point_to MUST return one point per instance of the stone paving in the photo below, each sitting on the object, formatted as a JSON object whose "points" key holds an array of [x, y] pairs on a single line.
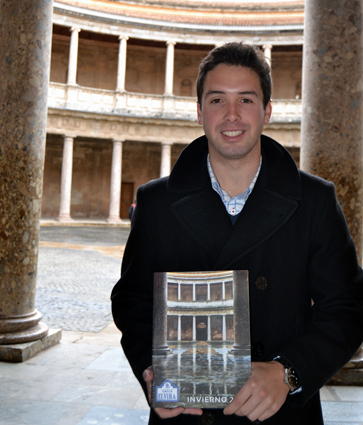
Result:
{"points": [[86, 379], [77, 269]]}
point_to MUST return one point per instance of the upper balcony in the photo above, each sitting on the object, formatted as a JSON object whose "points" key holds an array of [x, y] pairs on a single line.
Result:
{"points": [[138, 105]]}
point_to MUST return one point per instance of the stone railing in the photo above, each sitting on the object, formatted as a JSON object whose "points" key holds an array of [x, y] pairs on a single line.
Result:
{"points": [[85, 99]]}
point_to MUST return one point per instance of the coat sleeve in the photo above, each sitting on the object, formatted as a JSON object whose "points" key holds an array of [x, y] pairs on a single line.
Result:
{"points": [[132, 296], [335, 331]]}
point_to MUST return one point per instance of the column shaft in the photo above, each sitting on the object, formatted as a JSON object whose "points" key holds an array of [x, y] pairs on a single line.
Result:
{"points": [[121, 68], [165, 165], [73, 57], [115, 192], [332, 125], [267, 51], [26, 29], [241, 313], [160, 345], [332, 100], [66, 180], [169, 73]]}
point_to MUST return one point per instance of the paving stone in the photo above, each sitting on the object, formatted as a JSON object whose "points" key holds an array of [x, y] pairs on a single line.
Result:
{"points": [[107, 416], [339, 413], [73, 288]]}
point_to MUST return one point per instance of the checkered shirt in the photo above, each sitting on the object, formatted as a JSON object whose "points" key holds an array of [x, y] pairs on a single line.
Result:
{"points": [[233, 205]]}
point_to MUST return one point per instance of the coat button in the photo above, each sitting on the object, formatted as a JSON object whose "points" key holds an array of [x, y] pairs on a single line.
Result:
{"points": [[207, 418], [261, 283], [258, 349]]}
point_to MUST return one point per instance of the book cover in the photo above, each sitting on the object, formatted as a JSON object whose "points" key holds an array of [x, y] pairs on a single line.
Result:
{"points": [[201, 338]]}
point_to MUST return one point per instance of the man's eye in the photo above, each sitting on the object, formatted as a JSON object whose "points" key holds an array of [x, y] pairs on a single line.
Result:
{"points": [[246, 101], [216, 101]]}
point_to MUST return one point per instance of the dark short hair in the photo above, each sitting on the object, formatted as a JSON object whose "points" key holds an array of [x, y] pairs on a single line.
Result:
{"points": [[237, 54]]}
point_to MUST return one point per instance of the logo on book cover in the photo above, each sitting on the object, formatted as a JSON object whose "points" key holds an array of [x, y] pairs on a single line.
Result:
{"points": [[167, 391]]}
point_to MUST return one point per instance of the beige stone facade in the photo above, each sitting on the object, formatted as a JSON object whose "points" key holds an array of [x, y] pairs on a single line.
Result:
{"points": [[126, 72]]}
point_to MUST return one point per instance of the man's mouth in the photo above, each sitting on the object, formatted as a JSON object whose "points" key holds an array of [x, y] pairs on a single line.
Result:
{"points": [[234, 133]]}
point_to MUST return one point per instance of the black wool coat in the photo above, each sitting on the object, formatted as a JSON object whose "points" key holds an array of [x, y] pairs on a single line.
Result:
{"points": [[291, 231]]}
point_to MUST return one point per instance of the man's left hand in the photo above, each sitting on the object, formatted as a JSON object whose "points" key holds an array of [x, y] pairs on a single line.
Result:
{"points": [[263, 394]]}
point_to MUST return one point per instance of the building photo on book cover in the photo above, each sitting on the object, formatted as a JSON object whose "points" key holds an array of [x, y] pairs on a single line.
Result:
{"points": [[201, 338]]}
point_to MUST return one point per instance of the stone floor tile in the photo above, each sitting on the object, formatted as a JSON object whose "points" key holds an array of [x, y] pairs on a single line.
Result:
{"points": [[141, 403], [340, 423], [348, 393], [99, 396], [327, 394], [108, 415], [339, 413], [112, 359], [68, 355], [32, 390], [124, 380], [17, 411]]}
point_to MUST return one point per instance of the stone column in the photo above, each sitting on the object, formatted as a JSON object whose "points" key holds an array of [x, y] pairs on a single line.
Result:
{"points": [[160, 345], [241, 313], [224, 328], [267, 51], [115, 192], [26, 29], [332, 124], [121, 68], [165, 159], [194, 329], [73, 57], [179, 328], [209, 329], [169, 72], [66, 180]]}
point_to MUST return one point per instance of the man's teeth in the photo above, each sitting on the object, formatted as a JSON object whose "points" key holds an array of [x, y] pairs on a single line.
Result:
{"points": [[232, 133]]}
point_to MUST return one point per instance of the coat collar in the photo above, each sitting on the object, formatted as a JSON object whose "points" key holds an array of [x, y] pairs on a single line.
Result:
{"points": [[278, 173], [271, 204]]}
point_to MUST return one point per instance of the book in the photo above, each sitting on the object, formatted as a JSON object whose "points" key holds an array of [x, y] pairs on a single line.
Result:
{"points": [[201, 338]]}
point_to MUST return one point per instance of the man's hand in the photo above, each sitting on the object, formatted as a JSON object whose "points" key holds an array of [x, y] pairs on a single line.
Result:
{"points": [[263, 394], [164, 413]]}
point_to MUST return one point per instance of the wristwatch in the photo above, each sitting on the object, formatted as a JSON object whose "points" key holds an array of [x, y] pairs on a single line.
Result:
{"points": [[290, 378]]}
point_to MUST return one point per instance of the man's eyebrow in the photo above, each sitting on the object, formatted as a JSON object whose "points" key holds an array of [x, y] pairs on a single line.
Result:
{"points": [[246, 92]]}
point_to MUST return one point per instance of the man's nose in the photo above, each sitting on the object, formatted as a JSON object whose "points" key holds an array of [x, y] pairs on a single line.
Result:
{"points": [[232, 112]]}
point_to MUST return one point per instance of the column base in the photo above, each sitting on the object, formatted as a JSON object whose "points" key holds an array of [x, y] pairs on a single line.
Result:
{"points": [[17, 353], [162, 350], [65, 219], [240, 350], [114, 220], [37, 332]]}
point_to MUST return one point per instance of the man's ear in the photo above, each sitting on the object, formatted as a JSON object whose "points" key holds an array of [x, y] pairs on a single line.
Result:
{"points": [[268, 112], [199, 111]]}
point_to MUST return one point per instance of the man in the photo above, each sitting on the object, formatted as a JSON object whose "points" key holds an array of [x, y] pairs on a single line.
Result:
{"points": [[236, 200]]}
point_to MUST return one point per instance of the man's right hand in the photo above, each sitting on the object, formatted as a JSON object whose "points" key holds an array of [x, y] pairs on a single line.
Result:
{"points": [[165, 413]]}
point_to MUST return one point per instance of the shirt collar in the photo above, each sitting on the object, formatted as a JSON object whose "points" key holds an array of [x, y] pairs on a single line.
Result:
{"points": [[233, 205]]}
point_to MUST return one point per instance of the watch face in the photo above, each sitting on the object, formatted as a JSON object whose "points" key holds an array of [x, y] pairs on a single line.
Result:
{"points": [[293, 382]]}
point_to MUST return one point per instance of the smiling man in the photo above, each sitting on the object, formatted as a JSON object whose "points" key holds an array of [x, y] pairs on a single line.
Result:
{"points": [[236, 200]]}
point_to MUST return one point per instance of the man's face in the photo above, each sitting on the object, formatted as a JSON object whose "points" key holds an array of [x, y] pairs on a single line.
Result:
{"points": [[232, 112]]}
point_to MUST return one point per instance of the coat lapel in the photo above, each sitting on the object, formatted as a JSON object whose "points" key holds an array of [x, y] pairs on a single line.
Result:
{"points": [[271, 204], [264, 214], [205, 219]]}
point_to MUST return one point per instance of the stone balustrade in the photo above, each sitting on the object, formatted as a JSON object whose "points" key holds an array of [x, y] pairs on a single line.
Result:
{"points": [[62, 96]]}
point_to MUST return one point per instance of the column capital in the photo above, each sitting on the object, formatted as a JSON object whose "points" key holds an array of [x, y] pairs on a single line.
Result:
{"points": [[75, 29], [68, 136], [123, 37], [170, 43], [117, 140], [167, 143], [267, 46]]}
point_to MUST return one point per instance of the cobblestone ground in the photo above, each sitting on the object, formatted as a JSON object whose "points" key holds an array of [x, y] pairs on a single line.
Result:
{"points": [[74, 285]]}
